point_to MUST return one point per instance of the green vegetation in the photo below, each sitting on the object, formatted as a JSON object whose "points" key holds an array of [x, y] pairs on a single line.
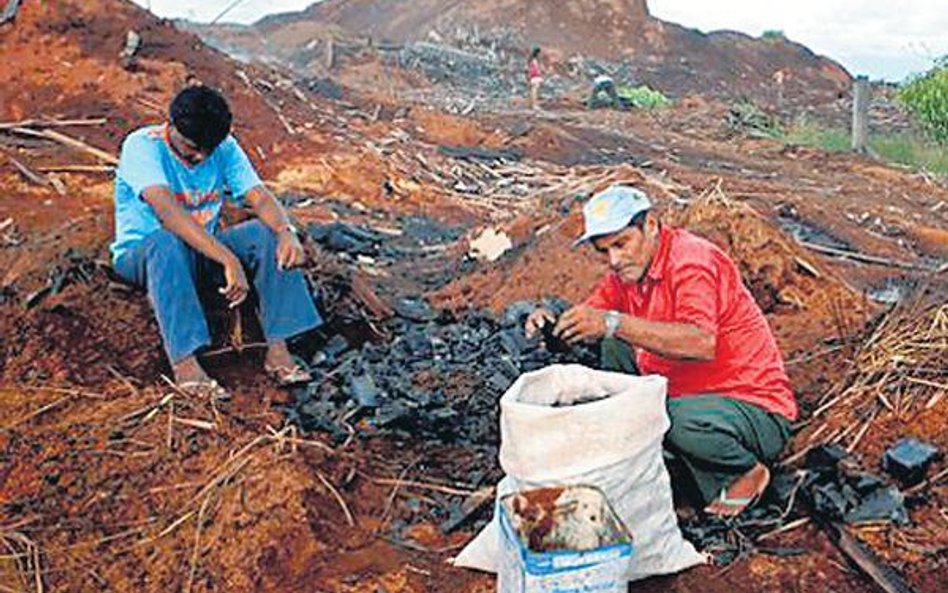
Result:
{"points": [[906, 148], [926, 98], [773, 35], [806, 132], [909, 149], [642, 97]]}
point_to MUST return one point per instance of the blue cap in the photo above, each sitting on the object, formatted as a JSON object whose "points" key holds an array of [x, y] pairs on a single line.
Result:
{"points": [[611, 210]]}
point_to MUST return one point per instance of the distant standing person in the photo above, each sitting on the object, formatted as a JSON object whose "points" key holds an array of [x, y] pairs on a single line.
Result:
{"points": [[534, 78]]}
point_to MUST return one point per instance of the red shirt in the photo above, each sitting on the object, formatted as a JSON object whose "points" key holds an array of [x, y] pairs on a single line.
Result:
{"points": [[533, 70], [691, 281]]}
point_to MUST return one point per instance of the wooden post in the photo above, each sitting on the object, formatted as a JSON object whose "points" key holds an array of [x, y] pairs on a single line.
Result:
{"points": [[330, 54], [861, 115]]}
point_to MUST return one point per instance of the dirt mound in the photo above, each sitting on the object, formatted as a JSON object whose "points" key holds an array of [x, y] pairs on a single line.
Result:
{"points": [[62, 61], [630, 43], [561, 25], [156, 492], [80, 328]]}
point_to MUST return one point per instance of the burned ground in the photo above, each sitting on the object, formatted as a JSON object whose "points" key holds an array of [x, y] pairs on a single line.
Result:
{"points": [[110, 479]]}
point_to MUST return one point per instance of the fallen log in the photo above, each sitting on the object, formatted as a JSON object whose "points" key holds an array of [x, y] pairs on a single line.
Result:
{"points": [[52, 123], [862, 257], [76, 169], [38, 178], [68, 141], [883, 575]]}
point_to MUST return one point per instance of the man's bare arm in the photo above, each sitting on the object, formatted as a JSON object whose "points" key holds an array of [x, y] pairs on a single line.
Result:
{"points": [[670, 340], [267, 208], [289, 252], [177, 220]]}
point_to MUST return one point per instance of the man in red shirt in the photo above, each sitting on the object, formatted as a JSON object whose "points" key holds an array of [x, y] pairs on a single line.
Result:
{"points": [[679, 302]]}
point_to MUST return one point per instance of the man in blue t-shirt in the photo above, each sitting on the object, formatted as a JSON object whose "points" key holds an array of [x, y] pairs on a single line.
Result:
{"points": [[171, 182]]}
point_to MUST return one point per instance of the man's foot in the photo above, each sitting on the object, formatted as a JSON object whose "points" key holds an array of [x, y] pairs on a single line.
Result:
{"points": [[190, 377], [741, 494], [281, 367]]}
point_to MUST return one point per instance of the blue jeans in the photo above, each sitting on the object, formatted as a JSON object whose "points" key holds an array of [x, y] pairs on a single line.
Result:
{"points": [[173, 273]]}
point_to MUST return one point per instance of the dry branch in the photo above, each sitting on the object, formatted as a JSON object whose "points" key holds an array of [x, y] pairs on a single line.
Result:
{"points": [[68, 141]]}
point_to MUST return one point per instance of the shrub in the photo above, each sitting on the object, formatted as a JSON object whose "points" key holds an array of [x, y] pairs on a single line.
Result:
{"points": [[926, 98], [773, 35], [642, 97]]}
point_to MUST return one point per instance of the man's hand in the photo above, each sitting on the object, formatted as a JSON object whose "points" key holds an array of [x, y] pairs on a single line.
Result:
{"points": [[289, 251], [536, 321], [237, 288], [581, 324]]}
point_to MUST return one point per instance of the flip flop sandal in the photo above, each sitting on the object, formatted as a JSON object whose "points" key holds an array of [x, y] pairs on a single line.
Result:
{"points": [[288, 376], [742, 503], [205, 389]]}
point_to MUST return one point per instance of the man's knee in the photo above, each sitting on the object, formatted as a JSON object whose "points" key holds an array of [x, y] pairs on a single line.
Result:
{"points": [[256, 235], [687, 434]]}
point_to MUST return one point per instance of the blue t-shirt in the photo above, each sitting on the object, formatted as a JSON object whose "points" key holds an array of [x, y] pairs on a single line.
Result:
{"points": [[147, 160]]}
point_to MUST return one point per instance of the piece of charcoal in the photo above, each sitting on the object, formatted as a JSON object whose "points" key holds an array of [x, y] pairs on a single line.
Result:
{"points": [[374, 353], [865, 483], [330, 351], [346, 238], [516, 314], [499, 382], [414, 309], [884, 504], [317, 409], [908, 460], [391, 413], [418, 345], [509, 368], [513, 342], [440, 348], [825, 457], [554, 343], [832, 500], [336, 346], [465, 353], [363, 390], [557, 305]]}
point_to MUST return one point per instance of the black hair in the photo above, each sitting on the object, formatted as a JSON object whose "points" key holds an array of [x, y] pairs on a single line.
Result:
{"points": [[536, 52], [202, 116]]}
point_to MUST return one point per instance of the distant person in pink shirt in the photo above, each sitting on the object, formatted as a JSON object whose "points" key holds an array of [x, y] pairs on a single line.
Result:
{"points": [[534, 78]]}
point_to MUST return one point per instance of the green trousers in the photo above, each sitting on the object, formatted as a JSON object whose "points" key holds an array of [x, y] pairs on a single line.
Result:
{"points": [[713, 439]]}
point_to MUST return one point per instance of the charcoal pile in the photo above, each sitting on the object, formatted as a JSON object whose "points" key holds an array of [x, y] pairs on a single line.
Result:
{"points": [[415, 235], [831, 488], [445, 63], [439, 378]]}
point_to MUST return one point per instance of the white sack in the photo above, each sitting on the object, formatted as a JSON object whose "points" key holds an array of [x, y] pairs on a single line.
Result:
{"points": [[614, 443]]}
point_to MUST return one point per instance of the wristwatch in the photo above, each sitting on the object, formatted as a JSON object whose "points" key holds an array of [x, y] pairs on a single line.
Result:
{"points": [[290, 227], [612, 322]]}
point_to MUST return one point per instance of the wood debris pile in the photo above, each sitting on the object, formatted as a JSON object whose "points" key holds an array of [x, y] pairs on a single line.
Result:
{"points": [[898, 373]]}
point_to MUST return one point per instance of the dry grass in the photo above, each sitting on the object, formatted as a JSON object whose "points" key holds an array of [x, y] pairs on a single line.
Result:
{"points": [[899, 372]]}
